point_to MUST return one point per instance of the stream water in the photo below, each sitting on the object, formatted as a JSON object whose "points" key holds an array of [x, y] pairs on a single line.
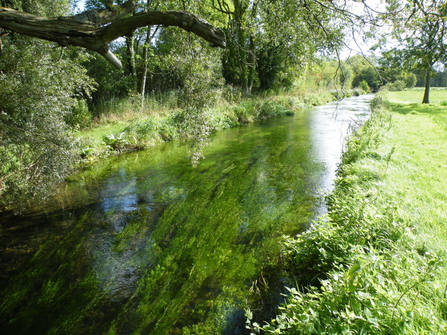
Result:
{"points": [[147, 244]]}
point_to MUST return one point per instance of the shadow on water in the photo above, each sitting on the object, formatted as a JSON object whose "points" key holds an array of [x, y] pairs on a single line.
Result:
{"points": [[147, 244]]}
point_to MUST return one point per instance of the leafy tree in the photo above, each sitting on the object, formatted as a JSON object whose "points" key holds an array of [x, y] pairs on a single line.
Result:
{"points": [[41, 90], [95, 29], [364, 70], [420, 28], [409, 79], [270, 42], [110, 84], [330, 74], [440, 78], [369, 75], [394, 76]]}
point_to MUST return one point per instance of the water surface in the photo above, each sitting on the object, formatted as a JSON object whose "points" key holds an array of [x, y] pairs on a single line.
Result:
{"points": [[147, 244]]}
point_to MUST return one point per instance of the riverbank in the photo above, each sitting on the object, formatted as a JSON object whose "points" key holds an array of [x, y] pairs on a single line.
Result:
{"points": [[123, 126], [377, 264]]}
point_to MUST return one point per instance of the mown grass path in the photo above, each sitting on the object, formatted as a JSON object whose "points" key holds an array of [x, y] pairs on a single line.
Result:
{"points": [[378, 263]]}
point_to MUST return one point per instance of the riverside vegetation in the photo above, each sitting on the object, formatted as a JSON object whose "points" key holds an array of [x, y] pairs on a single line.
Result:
{"points": [[145, 243], [377, 264], [124, 127]]}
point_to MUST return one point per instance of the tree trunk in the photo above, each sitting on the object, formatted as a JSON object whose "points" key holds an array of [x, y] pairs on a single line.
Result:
{"points": [[251, 59], [145, 60], [146, 45], [426, 99], [130, 43], [94, 30]]}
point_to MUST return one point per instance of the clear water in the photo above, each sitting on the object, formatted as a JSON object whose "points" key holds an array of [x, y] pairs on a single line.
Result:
{"points": [[147, 244]]}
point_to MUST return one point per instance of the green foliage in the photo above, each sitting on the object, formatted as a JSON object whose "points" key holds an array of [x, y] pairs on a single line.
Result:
{"points": [[364, 86], [419, 28], [376, 294], [201, 90], [268, 51], [410, 80], [393, 74], [50, 8], [439, 79], [117, 143], [369, 75], [260, 109], [40, 91], [264, 51], [111, 83], [367, 136], [371, 267], [270, 63], [79, 115], [328, 74], [145, 133], [398, 85]]}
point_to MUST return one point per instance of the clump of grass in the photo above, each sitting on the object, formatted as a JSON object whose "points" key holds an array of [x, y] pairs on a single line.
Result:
{"points": [[376, 265], [129, 129], [370, 134], [126, 124]]}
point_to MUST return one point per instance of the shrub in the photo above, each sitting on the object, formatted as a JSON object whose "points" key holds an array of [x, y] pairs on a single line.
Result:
{"points": [[269, 109], [37, 150], [364, 86], [398, 85], [79, 116]]}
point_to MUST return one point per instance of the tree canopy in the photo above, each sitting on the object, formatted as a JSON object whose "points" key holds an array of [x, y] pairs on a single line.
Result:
{"points": [[419, 27], [95, 29]]}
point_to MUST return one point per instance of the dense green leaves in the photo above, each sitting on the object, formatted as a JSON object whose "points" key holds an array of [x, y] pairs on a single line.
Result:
{"points": [[420, 30], [40, 88], [270, 45]]}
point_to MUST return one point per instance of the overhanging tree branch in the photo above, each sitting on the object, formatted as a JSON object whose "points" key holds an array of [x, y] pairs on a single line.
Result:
{"points": [[87, 30]]}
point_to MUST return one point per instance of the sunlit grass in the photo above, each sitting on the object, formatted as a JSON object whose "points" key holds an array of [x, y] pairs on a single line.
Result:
{"points": [[437, 95], [418, 172], [381, 257]]}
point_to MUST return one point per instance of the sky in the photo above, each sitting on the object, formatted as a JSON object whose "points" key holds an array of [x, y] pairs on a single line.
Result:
{"points": [[358, 46]]}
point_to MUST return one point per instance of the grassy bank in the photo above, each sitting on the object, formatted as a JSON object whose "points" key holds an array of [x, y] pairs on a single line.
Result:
{"points": [[377, 264], [125, 126]]}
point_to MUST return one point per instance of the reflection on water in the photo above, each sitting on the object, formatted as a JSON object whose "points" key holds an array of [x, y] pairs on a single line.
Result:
{"points": [[330, 124], [147, 244]]}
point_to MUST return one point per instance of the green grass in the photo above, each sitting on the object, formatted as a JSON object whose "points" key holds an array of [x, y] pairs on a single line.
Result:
{"points": [[377, 265], [130, 128], [420, 137], [437, 95]]}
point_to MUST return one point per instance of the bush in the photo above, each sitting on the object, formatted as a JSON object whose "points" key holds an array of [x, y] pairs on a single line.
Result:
{"points": [[38, 98], [269, 109], [398, 85], [364, 86], [79, 116]]}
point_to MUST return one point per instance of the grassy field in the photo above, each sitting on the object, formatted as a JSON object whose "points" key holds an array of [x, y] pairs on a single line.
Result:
{"points": [[437, 95], [377, 265]]}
